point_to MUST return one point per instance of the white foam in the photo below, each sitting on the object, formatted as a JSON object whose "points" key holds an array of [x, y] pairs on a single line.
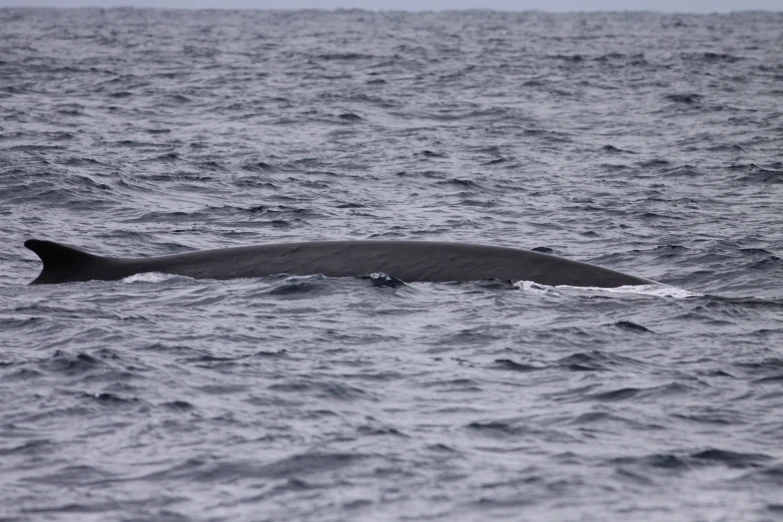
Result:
{"points": [[655, 290], [535, 288], [149, 277]]}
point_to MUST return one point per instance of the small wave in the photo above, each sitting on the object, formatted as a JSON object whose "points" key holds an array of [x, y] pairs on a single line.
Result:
{"points": [[621, 394], [686, 98], [432, 154], [508, 364], [459, 183], [730, 458], [178, 405], [294, 289], [260, 166], [611, 149], [348, 56], [111, 398], [69, 364], [628, 325], [349, 116], [585, 362]]}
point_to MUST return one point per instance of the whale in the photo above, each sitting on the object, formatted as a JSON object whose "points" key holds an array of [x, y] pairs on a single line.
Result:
{"points": [[408, 261]]}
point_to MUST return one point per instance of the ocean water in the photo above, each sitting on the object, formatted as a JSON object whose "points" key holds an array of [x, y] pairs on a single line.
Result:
{"points": [[641, 142]]}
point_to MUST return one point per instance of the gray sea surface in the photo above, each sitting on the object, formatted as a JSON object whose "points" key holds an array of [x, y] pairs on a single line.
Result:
{"points": [[641, 142]]}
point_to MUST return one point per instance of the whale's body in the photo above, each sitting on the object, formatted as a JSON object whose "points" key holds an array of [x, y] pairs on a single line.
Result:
{"points": [[410, 261]]}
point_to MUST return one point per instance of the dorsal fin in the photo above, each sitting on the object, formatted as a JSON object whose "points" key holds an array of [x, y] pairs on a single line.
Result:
{"points": [[61, 264]]}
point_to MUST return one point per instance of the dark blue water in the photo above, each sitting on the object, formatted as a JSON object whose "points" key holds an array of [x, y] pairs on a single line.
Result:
{"points": [[645, 143]]}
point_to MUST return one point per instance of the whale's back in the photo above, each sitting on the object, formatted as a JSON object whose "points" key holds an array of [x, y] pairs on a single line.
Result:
{"points": [[410, 261]]}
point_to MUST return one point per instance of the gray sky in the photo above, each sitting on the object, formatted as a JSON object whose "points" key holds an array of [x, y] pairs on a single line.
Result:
{"points": [[692, 6]]}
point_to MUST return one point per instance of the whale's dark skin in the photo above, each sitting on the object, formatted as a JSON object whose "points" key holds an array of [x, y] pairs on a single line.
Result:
{"points": [[410, 261]]}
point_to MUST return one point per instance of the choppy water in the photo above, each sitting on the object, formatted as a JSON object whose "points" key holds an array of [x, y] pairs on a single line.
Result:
{"points": [[645, 143]]}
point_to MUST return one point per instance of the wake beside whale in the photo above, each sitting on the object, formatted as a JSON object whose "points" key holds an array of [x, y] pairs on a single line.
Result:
{"points": [[409, 261]]}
